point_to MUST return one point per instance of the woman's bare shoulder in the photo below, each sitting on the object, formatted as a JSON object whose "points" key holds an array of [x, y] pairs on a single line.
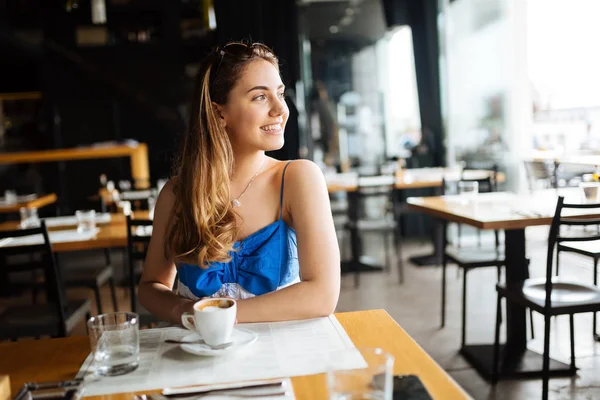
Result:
{"points": [[301, 172]]}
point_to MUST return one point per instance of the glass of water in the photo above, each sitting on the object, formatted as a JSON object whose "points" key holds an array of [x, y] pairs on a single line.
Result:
{"points": [[86, 220], [10, 196], [29, 217], [467, 190], [115, 342], [360, 374]]}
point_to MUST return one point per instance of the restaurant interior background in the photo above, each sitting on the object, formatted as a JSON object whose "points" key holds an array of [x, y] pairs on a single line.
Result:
{"points": [[372, 86], [511, 81]]}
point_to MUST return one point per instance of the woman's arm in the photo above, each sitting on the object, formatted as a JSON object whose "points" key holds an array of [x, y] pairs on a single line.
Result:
{"points": [[307, 202], [159, 272]]}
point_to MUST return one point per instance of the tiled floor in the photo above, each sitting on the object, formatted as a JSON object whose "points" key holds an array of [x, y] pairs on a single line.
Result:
{"points": [[416, 307]]}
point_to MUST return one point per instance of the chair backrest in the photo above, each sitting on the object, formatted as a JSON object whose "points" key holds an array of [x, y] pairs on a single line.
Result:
{"points": [[540, 171], [46, 263], [138, 238], [371, 190], [555, 236], [486, 184]]}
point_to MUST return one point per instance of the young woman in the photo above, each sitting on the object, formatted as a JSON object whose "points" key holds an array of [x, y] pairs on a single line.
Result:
{"points": [[233, 222]]}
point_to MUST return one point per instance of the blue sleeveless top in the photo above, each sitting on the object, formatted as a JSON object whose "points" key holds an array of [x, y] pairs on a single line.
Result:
{"points": [[263, 262]]}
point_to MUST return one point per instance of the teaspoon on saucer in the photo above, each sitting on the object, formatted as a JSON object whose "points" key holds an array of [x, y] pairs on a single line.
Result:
{"points": [[200, 341]]}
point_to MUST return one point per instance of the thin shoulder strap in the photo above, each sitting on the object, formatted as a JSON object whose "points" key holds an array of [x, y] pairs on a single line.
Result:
{"points": [[281, 193]]}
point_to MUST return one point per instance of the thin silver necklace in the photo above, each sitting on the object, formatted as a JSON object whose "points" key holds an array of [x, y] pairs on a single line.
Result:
{"points": [[236, 201]]}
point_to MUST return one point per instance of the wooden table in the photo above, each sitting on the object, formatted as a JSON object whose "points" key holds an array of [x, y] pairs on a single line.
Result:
{"points": [[415, 178], [138, 154], [583, 159], [38, 202], [59, 359], [512, 213], [111, 235]]}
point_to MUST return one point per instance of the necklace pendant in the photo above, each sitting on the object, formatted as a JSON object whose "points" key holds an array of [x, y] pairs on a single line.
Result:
{"points": [[236, 203]]}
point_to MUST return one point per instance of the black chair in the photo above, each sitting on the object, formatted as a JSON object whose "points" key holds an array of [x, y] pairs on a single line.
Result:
{"points": [[377, 189], [570, 297], [585, 248], [58, 316], [469, 258], [93, 278], [138, 238]]}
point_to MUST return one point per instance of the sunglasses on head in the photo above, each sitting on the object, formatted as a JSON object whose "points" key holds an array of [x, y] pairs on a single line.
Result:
{"points": [[238, 50]]}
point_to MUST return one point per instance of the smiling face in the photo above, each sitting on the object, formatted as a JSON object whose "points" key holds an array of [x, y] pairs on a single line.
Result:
{"points": [[256, 113]]}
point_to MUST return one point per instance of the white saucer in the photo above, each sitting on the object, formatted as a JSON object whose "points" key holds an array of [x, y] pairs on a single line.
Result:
{"points": [[241, 338]]}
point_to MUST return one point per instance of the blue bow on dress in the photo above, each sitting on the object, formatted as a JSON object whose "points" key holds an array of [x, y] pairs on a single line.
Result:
{"points": [[259, 264]]}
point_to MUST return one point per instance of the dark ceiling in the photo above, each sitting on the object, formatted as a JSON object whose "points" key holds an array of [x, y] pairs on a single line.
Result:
{"points": [[359, 21]]}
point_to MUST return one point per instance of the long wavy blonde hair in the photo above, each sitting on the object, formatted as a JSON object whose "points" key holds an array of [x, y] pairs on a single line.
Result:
{"points": [[203, 225]]}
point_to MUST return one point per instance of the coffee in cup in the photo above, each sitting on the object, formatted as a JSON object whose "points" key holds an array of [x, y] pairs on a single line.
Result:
{"points": [[213, 319]]}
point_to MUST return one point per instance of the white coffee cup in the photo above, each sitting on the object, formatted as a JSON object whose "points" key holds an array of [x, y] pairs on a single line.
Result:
{"points": [[213, 319]]}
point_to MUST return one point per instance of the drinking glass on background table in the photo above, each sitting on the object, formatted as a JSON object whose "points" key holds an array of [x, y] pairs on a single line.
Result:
{"points": [[10, 196], [29, 217], [124, 185], [371, 380], [115, 342], [124, 207], [86, 220], [468, 190], [590, 191]]}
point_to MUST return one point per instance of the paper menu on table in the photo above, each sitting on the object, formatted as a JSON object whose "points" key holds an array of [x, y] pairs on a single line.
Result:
{"points": [[283, 349], [64, 236]]}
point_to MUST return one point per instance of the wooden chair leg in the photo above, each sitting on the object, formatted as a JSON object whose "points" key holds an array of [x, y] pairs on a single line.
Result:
{"points": [[557, 252], [496, 340]]}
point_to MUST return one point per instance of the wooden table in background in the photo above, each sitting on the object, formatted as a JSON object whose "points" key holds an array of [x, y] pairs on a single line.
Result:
{"points": [[512, 213], [60, 359], [110, 235], [414, 178], [38, 202], [138, 154], [411, 178]]}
